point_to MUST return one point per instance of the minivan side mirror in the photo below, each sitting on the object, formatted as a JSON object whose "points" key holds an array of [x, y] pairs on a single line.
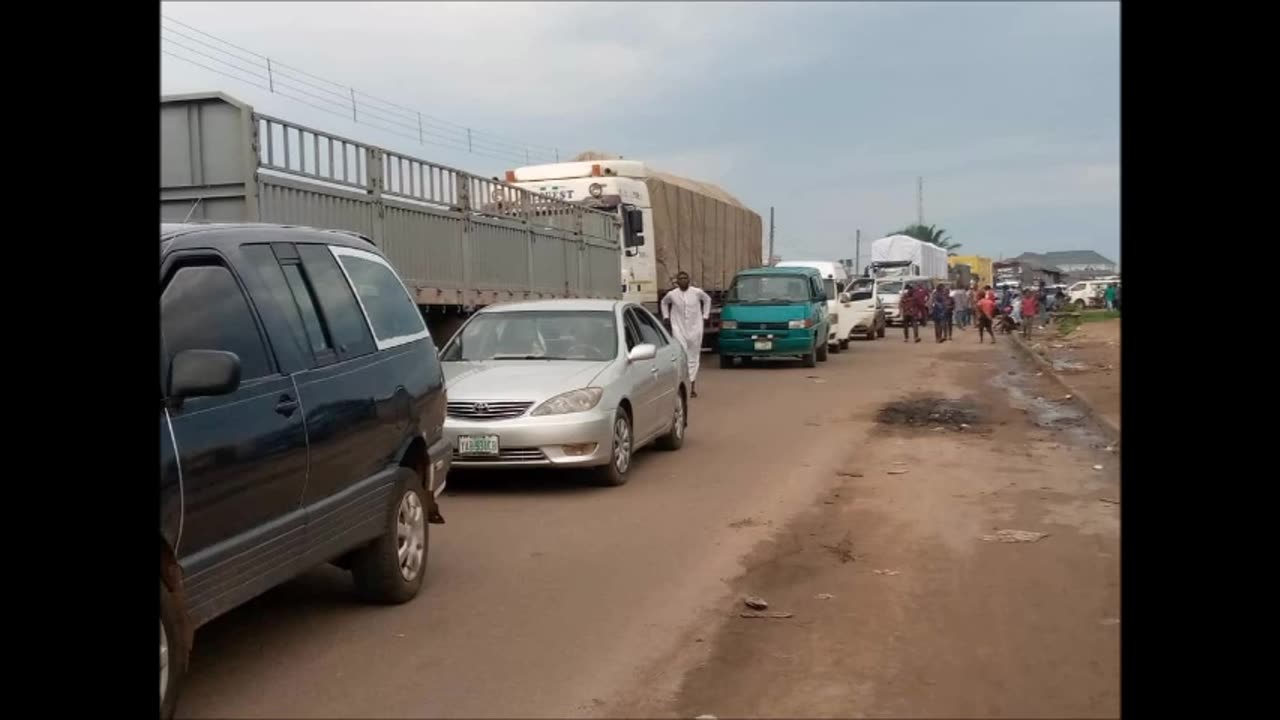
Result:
{"points": [[643, 351], [202, 373]]}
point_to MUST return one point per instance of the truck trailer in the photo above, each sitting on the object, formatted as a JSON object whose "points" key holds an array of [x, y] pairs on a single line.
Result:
{"points": [[668, 224], [901, 255], [460, 241]]}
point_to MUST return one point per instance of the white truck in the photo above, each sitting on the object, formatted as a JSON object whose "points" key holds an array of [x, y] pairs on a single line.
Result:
{"points": [[903, 256], [669, 224], [834, 281]]}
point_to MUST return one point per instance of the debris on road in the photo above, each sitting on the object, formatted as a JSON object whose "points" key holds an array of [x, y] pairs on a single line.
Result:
{"points": [[1109, 501], [756, 603], [1097, 467], [846, 473], [843, 549], [745, 523], [1109, 621], [705, 717], [824, 596], [931, 410], [890, 573], [898, 471], [1067, 396], [767, 615], [1015, 536]]}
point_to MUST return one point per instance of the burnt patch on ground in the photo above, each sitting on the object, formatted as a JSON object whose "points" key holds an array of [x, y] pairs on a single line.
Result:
{"points": [[931, 411]]}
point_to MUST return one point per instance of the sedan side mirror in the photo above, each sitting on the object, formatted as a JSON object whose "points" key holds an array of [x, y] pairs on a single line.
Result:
{"points": [[201, 373], [643, 351]]}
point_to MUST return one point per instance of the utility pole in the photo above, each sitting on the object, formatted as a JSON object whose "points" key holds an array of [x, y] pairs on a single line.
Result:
{"points": [[769, 260], [857, 250], [920, 200]]}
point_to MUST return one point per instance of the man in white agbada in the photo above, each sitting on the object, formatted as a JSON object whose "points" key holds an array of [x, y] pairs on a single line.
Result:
{"points": [[685, 307]]}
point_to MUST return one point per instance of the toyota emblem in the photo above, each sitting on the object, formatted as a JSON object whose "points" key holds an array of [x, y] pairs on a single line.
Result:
{"points": [[480, 408]]}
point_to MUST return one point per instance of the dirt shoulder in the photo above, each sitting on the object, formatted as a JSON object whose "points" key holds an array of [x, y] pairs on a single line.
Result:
{"points": [[899, 608], [1088, 358]]}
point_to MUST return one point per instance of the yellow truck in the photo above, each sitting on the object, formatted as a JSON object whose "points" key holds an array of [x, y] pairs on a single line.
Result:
{"points": [[980, 267]]}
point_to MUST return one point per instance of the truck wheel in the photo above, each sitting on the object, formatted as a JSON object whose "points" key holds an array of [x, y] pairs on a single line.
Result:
{"points": [[726, 362], [674, 439], [822, 352], [615, 473], [390, 569], [173, 654]]}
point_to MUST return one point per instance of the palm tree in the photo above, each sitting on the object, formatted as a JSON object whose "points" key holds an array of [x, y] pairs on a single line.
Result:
{"points": [[930, 234]]}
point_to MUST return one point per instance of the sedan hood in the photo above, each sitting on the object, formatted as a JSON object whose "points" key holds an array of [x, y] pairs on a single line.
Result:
{"points": [[533, 380]]}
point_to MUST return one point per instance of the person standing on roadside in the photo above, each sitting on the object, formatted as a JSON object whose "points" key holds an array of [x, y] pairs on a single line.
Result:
{"points": [[939, 308], [910, 315], [986, 316], [1109, 297], [685, 308], [1030, 308]]}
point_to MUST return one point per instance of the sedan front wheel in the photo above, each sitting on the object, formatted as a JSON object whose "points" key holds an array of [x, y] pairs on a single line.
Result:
{"points": [[615, 473]]}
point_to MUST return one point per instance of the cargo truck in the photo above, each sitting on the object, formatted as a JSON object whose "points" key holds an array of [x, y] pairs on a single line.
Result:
{"points": [[668, 224], [903, 256], [459, 241]]}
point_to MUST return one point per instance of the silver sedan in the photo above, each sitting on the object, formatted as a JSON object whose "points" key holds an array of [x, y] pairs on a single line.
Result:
{"points": [[564, 383]]}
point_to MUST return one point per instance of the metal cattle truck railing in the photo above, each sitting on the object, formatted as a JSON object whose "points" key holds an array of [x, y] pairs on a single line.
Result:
{"points": [[459, 240]]}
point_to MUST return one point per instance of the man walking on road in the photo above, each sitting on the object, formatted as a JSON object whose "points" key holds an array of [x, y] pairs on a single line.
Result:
{"points": [[1030, 308], [909, 303], [938, 305], [986, 316], [685, 308]]}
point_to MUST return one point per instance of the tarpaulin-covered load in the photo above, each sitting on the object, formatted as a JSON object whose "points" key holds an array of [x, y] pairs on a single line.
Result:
{"points": [[703, 230], [931, 259]]}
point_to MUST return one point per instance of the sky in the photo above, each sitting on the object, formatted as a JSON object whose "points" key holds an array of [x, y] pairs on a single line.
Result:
{"points": [[828, 112]]}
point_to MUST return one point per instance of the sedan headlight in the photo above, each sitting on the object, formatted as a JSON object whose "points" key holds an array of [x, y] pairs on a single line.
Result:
{"points": [[800, 324], [573, 401], [729, 324]]}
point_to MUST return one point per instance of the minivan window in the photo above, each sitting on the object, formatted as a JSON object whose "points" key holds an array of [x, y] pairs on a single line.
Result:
{"points": [[203, 308], [393, 315], [343, 316], [764, 289]]}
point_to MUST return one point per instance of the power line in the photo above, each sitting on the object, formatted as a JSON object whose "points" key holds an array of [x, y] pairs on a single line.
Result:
{"points": [[493, 140]]}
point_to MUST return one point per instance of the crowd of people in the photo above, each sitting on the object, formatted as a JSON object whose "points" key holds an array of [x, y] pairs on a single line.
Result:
{"points": [[964, 307]]}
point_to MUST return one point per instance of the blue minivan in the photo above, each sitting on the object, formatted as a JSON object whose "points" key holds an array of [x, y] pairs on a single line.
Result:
{"points": [[775, 312]]}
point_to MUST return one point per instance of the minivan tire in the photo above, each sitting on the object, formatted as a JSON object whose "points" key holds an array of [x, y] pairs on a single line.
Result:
{"points": [[674, 439], [174, 653], [808, 360], [822, 352], [609, 475], [377, 567]]}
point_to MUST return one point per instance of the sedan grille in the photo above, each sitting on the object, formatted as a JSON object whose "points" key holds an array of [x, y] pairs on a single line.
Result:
{"points": [[504, 455], [488, 410]]}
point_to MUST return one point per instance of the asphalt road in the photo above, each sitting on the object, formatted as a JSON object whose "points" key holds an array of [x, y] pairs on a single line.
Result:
{"points": [[549, 598]]}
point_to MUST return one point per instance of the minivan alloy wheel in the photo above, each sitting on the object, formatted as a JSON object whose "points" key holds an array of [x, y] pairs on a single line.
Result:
{"points": [[410, 535]]}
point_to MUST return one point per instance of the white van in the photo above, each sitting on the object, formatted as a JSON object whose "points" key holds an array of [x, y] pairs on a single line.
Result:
{"points": [[834, 280], [861, 302], [1088, 293], [888, 291]]}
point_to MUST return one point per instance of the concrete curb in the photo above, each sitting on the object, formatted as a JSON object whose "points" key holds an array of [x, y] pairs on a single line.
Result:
{"points": [[1110, 429]]}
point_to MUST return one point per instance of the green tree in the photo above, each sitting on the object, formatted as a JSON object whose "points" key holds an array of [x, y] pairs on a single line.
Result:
{"points": [[930, 234]]}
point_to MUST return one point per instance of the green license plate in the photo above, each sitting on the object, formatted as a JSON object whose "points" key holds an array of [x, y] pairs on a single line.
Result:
{"points": [[477, 444]]}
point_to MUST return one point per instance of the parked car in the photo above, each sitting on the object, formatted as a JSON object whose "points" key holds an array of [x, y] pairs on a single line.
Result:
{"points": [[775, 312], [564, 383], [1089, 293], [301, 422], [862, 305]]}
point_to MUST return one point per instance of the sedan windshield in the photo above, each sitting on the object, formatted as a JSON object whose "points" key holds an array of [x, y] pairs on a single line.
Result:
{"points": [[536, 335], [769, 289]]}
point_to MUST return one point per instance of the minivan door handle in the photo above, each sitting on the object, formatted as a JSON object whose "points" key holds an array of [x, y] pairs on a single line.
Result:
{"points": [[286, 406]]}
